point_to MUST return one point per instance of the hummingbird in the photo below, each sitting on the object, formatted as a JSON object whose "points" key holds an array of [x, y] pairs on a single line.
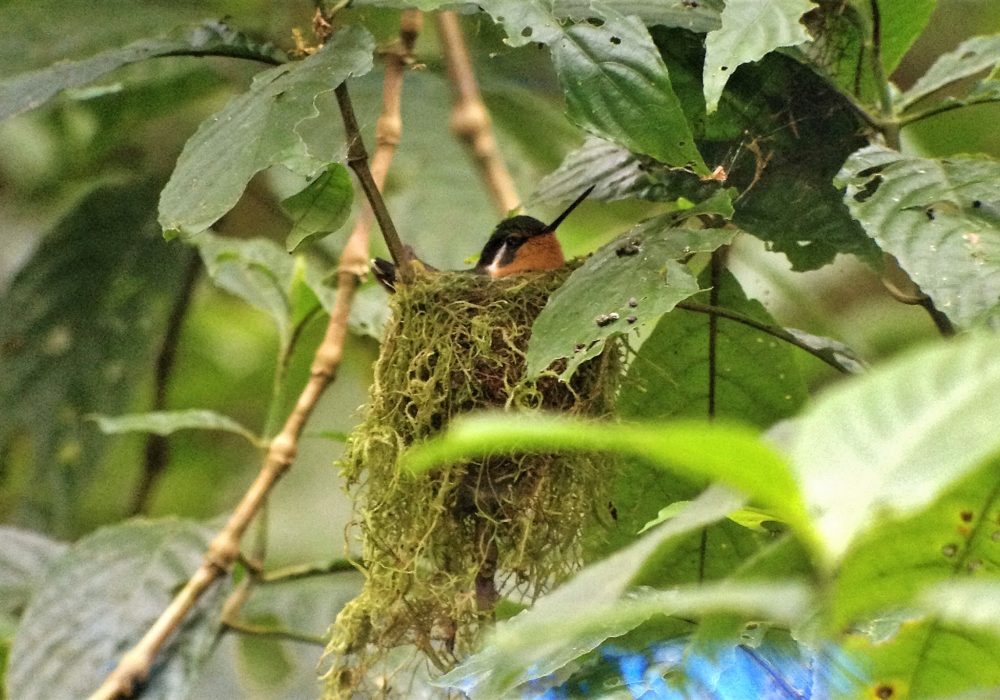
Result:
{"points": [[518, 244]]}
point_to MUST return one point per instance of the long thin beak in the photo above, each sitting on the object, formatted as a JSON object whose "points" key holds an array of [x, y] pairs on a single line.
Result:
{"points": [[559, 219]]}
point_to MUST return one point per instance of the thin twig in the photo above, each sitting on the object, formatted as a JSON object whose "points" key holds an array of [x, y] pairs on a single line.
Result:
{"points": [[470, 120], [224, 549], [157, 452], [297, 572], [777, 332], [274, 633]]}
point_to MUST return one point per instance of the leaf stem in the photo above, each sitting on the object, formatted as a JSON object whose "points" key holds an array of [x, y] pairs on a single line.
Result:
{"points": [[273, 633], [889, 126], [775, 331], [357, 159], [296, 572]]}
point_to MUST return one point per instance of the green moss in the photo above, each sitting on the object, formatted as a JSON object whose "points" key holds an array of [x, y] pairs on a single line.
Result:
{"points": [[438, 547]]}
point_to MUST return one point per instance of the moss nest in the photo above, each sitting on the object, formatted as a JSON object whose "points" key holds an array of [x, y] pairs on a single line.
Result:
{"points": [[440, 548]]}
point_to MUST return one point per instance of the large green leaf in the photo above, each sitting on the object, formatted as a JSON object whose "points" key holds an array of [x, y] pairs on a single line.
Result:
{"points": [[940, 218], [98, 600], [972, 57], [24, 556], [29, 90], [755, 378], [617, 87], [91, 305], [952, 541], [887, 444], [750, 30], [627, 284], [285, 118]]}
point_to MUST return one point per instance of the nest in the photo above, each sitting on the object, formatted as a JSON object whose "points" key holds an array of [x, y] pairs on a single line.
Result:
{"points": [[439, 548]]}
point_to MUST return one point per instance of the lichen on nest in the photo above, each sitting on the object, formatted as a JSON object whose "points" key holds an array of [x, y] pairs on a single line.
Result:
{"points": [[438, 548]]}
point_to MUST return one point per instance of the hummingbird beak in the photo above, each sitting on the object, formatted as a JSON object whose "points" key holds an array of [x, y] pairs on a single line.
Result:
{"points": [[559, 219]]}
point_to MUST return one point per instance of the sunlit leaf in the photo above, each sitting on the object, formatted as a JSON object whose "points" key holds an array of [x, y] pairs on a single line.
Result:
{"points": [[168, 422], [750, 30], [971, 603], [617, 87], [730, 455], [940, 218], [628, 284], [892, 565], [321, 208], [278, 117], [29, 90], [888, 443], [98, 600], [971, 57]]}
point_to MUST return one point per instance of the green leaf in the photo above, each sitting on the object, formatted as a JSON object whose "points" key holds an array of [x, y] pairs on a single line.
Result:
{"points": [[750, 30], [321, 208], [887, 444], [972, 57], [280, 116], [91, 304], [731, 455], [535, 21], [256, 270], [636, 276], [892, 565], [756, 379], [940, 218], [99, 599], [617, 87], [928, 659], [168, 422], [538, 641], [24, 557], [30, 90]]}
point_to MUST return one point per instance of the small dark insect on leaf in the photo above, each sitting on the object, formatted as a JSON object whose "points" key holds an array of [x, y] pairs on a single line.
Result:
{"points": [[613, 511], [606, 319], [633, 302], [977, 203], [930, 213], [632, 319], [691, 4]]}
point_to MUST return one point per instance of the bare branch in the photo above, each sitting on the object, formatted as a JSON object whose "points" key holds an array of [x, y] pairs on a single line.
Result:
{"points": [[224, 550], [470, 119]]}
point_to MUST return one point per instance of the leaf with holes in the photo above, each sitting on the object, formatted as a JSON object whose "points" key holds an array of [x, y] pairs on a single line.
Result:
{"points": [[940, 218], [972, 57], [750, 30], [617, 87], [275, 122], [627, 284]]}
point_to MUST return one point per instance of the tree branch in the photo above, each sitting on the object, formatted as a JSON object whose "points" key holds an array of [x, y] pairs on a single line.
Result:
{"points": [[224, 549], [470, 120]]}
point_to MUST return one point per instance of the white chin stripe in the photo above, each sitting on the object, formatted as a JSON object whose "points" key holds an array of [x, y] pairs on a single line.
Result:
{"points": [[494, 266]]}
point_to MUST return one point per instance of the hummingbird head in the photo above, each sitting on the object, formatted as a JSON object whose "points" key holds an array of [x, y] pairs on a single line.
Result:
{"points": [[523, 244]]}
